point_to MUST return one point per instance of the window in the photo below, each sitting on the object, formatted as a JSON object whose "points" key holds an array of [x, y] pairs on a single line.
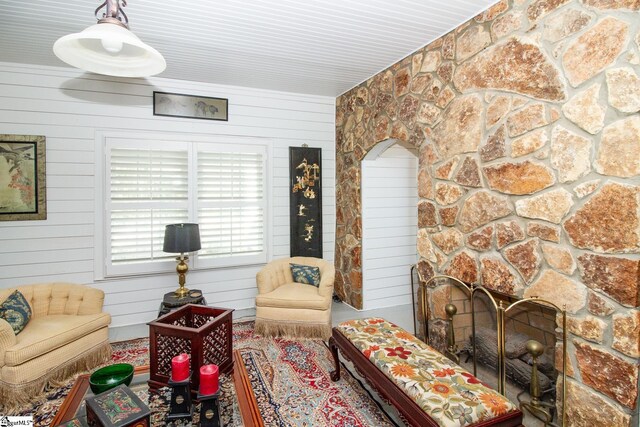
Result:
{"points": [[149, 184], [229, 186]]}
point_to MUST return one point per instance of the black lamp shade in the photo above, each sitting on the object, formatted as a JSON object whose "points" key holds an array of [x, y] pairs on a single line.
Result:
{"points": [[181, 238]]}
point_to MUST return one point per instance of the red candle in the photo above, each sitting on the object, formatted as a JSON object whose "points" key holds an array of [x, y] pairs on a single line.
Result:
{"points": [[208, 379], [180, 367]]}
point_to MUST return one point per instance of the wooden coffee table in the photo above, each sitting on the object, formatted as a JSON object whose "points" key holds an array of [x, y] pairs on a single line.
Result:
{"points": [[247, 403]]}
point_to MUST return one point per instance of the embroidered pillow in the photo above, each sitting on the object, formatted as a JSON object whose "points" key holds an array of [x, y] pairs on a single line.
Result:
{"points": [[16, 311], [306, 274]]}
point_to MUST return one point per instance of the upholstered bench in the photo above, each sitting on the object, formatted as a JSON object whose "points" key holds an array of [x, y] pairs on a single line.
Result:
{"points": [[427, 388]]}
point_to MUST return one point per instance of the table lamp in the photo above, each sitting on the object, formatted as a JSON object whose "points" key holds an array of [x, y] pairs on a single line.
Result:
{"points": [[181, 238]]}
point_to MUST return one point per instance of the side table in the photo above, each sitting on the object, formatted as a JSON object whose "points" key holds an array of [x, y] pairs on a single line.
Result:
{"points": [[205, 333], [170, 301]]}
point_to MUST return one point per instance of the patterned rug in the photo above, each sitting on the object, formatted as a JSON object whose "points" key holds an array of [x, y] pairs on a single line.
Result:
{"points": [[290, 380], [292, 386]]}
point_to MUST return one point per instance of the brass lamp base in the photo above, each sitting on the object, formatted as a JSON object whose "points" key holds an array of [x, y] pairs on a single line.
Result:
{"points": [[181, 292], [182, 269]]}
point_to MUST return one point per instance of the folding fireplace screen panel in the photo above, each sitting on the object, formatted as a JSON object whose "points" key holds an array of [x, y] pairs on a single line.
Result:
{"points": [[511, 337], [305, 201]]}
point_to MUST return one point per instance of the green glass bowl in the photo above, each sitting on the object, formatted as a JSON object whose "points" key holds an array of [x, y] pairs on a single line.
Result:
{"points": [[110, 376]]}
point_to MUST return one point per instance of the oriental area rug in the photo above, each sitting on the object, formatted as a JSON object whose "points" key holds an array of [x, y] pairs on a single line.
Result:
{"points": [[290, 379]]}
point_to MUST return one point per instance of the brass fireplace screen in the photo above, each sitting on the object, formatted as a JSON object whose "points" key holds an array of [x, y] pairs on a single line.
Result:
{"points": [[539, 409]]}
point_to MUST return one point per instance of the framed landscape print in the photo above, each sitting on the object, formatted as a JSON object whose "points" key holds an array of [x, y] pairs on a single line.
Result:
{"points": [[193, 107], [22, 178], [305, 201]]}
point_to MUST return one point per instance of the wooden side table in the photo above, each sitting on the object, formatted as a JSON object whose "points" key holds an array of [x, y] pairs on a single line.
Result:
{"points": [[170, 301], [205, 333]]}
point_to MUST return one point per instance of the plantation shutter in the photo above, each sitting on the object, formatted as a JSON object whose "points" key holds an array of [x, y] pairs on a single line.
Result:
{"points": [[150, 183], [232, 203], [147, 189]]}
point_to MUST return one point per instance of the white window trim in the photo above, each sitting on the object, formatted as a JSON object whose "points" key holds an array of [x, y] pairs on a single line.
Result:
{"points": [[100, 203]]}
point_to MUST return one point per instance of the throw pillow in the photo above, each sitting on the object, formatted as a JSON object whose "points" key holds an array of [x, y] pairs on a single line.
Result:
{"points": [[306, 274], [16, 311]]}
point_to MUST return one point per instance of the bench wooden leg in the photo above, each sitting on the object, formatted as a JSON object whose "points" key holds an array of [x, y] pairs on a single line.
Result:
{"points": [[335, 375]]}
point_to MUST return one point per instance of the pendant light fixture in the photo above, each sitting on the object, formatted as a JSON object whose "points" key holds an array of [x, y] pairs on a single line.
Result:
{"points": [[109, 48]]}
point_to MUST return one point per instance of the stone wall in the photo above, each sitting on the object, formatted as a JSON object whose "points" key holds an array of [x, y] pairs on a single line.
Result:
{"points": [[526, 119]]}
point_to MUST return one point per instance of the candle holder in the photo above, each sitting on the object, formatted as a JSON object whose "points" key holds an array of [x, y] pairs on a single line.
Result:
{"points": [[210, 410], [180, 404]]}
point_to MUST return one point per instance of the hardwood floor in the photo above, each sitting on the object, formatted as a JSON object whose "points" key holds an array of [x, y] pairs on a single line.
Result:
{"points": [[401, 315]]}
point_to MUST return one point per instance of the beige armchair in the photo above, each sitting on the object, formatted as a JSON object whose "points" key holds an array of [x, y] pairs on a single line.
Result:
{"points": [[67, 333], [287, 308]]}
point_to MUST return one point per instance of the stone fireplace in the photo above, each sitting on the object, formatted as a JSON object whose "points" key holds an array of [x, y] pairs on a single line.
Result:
{"points": [[527, 127], [523, 322]]}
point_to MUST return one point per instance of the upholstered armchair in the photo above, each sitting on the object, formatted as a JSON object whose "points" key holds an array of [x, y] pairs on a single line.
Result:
{"points": [[67, 333], [287, 308]]}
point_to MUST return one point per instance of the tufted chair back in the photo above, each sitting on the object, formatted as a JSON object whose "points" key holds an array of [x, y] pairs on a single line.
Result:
{"points": [[278, 272], [59, 298]]}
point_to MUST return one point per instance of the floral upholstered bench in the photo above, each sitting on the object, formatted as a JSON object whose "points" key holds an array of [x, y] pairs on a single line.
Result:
{"points": [[427, 388]]}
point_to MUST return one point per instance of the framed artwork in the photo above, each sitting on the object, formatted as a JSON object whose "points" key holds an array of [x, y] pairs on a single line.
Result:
{"points": [[22, 178], [193, 107], [305, 201]]}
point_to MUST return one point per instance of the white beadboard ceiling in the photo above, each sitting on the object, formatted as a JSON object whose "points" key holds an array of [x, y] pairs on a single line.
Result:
{"points": [[314, 47]]}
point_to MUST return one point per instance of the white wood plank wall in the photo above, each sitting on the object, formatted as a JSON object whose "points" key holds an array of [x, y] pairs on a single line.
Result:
{"points": [[68, 107], [389, 227]]}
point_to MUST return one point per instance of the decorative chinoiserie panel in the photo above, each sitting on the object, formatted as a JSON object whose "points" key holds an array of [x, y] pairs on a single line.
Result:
{"points": [[22, 178], [305, 201]]}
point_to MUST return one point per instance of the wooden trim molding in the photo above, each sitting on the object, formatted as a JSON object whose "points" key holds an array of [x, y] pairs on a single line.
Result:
{"points": [[246, 399]]}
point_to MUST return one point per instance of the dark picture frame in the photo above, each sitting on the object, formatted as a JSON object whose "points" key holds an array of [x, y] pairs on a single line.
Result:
{"points": [[190, 106], [23, 193], [305, 201]]}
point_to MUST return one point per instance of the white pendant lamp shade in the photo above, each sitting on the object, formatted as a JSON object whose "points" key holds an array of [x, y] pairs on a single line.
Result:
{"points": [[109, 49]]}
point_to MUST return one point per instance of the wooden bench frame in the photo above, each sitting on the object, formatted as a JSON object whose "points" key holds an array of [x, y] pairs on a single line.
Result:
{"points": [[410, 412]]}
